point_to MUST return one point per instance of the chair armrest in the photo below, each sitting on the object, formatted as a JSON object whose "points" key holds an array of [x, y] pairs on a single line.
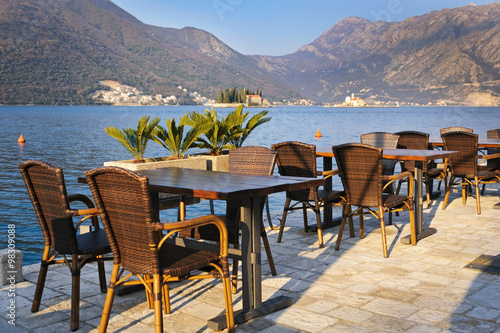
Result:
{"points": [[328, 173], [392, 178], [174, 227], [90, 212], [488, 157]]}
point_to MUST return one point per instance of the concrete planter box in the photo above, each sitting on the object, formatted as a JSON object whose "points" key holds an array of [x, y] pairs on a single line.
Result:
{"points": [[195, 161], [198, 161]]}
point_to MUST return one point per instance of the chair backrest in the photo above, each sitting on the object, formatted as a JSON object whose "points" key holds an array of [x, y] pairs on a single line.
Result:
{"points": [[412, 140], [465, 163], [47, 191], [493, 133], [253, 160], [455, 129], [124, 203], [380, 139], [360, 169], [494, 162], [297, 159]]}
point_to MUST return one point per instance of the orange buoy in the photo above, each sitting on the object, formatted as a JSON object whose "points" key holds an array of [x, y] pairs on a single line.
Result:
{"points": [[21, 139], [318, 134]]}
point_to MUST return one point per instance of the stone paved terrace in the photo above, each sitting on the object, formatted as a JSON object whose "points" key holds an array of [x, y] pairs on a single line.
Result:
{"points": [[423, 288]]}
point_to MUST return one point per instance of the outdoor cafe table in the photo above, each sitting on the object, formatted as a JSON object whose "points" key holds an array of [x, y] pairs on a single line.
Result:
{"points": [[481, 143], [248, 188], [420, 157]]}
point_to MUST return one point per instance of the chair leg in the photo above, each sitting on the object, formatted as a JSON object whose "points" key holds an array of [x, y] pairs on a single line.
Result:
{"points": [[166, 298], [108, 304], [341, 231], [382, 231], [413, 234], [464, 192], [399, 187], [447, 192], [75, 293], [228, 302], [102, 276], [361, 224], [351, 223], [478, 202], [428, 191], [234, 276], [319, 226], [482, 191], [39, 286], [268, 213], [157, 303], [269, 255], [282, 225]]}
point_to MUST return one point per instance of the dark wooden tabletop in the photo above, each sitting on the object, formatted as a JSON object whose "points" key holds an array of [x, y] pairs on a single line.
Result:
{"points": [[482, 143], [221, 185], [399, 154]]}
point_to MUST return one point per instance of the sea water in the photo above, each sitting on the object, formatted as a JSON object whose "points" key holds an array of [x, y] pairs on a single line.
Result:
{"points": [[73, 138]]}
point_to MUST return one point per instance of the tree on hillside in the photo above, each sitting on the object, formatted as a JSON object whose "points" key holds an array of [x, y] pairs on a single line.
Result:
{"points": [[220, 99]]}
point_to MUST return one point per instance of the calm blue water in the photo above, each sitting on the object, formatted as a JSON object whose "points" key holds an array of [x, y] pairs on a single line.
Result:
{"points": [[74, 139]]}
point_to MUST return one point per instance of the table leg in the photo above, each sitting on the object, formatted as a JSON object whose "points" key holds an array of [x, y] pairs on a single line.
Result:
{"points": [[419, 206], [253, 306]]}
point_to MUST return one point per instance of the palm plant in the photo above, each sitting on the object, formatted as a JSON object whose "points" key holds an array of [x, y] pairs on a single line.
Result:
{"points": [[173, 139], [221, 132], [135, 140], [257, 120]]}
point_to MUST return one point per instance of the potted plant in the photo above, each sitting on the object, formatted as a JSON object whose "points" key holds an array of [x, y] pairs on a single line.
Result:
{"points": [[172, 137], [208, 131], [135, 140], [220, 133]]}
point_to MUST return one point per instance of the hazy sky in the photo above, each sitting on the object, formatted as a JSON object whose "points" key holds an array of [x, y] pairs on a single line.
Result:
{"points": [[274, 27]]}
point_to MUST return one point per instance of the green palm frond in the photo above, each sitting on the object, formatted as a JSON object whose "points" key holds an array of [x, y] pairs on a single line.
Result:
{"points": [[135, 140], [173, 138]]}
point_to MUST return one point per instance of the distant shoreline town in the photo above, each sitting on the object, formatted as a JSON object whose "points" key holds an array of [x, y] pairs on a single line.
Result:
{"points": [[123, 95]]}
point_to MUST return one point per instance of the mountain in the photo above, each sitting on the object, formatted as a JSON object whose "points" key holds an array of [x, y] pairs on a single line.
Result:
{"points": [[451, 55], [57, 51]]}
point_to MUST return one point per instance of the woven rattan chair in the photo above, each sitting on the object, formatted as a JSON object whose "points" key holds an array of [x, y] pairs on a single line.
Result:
{"points": [[493, 163], [388, 141], [245, 160], [419, 140], [299, 159], [493, 133], [47, 190], [124, 204], [455, 129], [360, 168], [383, 140], [465, 170]]}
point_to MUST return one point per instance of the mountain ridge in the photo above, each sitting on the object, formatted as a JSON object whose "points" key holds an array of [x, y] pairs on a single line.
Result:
{"points": [[56, 52]]}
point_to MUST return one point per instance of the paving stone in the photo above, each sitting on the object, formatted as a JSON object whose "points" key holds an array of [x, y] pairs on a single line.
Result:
{"points": [[423, 288]]}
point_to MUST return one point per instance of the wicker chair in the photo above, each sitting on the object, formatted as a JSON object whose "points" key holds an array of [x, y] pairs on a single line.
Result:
{"points": [[494, 163], [299, 159], [245, 160], [419, 140], [465, 165], [455, 129], [124, 203], [47, 190], [383, 140], [360, 168]]}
